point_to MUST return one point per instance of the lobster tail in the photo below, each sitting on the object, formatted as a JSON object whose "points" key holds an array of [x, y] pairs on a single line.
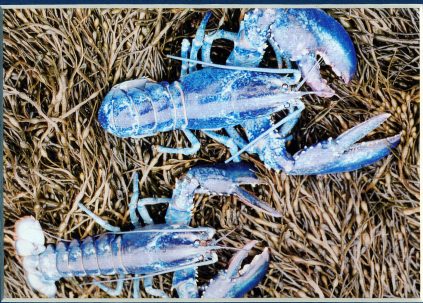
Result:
{"points": [[29, 244], [29, 237]]}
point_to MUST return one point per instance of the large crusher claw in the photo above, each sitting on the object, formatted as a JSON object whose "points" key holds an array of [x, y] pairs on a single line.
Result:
{"points": [[300, 35], [236, 282]]}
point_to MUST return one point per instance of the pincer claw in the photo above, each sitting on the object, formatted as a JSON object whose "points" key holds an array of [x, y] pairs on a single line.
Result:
{"points": [[301, 34], [226, 180], [236, 282], [343, 154]]}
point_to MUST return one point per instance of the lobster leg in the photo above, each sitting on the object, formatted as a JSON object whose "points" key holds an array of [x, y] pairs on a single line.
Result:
{"points": [[136, 287], [110, 291], [227, 141], [195, 145], [139, 205], [142, 210], [148, 286], [262, 134], [226, 180], [249, 46], [271, 149], [133, 204], [184, 54], [217, 179], [198, 41], [185, 283], [208, 42], [288, 126], [119, 286], [256, 127], [179, 210], [97, 219], [233, 133]]}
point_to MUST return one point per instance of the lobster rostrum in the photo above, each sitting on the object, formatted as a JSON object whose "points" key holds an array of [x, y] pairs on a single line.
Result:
{"points": [[242, 94], [150, 250]]}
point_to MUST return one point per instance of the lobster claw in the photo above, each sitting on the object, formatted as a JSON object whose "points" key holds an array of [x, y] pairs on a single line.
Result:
{"points": [[301, 34], [343, 154], [226, 179], [322, 35], [236, 282]]}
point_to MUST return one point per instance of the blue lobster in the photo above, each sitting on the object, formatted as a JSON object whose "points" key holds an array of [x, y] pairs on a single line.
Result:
{"points": [[240, 93], [153, 249]]}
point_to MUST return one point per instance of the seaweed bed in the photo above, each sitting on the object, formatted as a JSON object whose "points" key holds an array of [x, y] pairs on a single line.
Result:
{"points": [[343, 235]]}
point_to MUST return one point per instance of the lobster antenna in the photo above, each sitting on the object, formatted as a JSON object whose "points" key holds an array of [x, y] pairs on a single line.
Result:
{"points": [[97, 219], [172, 269], [179, 230], [277, 125], [227, 247], [55, 237], [262, 135], [265, 133], [224, 236], [232, 67]]}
